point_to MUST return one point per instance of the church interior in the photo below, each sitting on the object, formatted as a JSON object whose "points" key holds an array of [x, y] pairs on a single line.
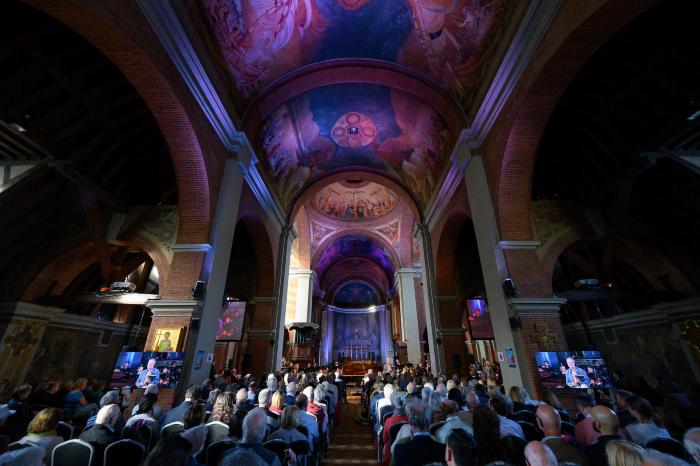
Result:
{"points": [[357, 200]]}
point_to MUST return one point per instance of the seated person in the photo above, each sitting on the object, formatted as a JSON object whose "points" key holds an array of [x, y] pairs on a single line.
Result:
{"points": [[103, 432], [549, 422], [536, 453], [250, 450], [507, 426], [289, 421], [420, 449], [461, 449], [42, 431], [606, 423], [648, 426], [452, 422]]}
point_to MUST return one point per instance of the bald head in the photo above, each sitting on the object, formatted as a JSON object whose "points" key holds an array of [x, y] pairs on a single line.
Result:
{"points": [[108, 415], [539, 454], [605, 420], [548, 420], [691, 441]]}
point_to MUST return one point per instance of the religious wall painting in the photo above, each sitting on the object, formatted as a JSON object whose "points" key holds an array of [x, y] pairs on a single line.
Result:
{"points": [[355, 201], [24, 337], [356, 294], [319, 233], [166, 339], [390, 232], [447, 40], [57, 355], [355, 245], [301, 140]]}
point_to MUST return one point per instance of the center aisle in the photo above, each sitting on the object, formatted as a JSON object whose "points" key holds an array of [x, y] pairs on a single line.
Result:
{"points": [[351, 443]]}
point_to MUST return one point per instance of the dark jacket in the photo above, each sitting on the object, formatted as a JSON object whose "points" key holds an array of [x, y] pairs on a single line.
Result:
{"points": [[99, 437], [419, 451], [176, 414], [596, 452]]}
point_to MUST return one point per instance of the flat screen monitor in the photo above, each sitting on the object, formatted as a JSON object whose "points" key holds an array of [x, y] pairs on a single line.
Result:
{"points": [[139, 369], [480, 327], [572, 369], [230, 324]]}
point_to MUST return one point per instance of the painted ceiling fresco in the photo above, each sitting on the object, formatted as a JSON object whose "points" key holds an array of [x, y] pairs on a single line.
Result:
{"points": [[354, 246], [448, 40], [354, 125], [355, 201], [356, 294]]}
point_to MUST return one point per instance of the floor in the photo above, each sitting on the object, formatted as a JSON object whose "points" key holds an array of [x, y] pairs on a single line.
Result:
{"points": [[351, 443]]}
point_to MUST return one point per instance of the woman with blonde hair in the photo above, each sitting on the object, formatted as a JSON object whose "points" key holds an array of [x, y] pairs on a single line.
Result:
{"points": [[42, 431], [223, 408], [624, 453], [289, 421], [517, 397], [277, 404]]}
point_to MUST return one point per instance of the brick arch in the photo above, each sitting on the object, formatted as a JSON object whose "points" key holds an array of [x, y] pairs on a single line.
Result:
{"points": [[264, 264], [555, 251], [445, 274], [562, 53], [170, 115]]}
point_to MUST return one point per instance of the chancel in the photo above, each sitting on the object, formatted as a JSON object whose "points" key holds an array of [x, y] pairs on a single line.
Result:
{"points": [[397, 232]]}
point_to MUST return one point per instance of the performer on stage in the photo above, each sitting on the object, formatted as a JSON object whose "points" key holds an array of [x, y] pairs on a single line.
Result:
{"points": [[575, 376], [149, 375]]}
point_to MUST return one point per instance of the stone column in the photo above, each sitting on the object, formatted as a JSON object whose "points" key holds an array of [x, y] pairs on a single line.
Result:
{"points": [[432, 313], [409, 312], [494, 271], [215, 272], [281, 284], [327, 355], [304, 294]]}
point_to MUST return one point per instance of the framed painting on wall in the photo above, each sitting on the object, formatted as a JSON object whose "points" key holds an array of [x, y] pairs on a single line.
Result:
{"points": [[166, 339]]}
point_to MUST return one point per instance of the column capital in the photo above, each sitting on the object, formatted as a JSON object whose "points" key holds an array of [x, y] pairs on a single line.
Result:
{"points": [[536, 306], [174, 308], [308, 273], [408, 271], [520, 244], [183, 247]]}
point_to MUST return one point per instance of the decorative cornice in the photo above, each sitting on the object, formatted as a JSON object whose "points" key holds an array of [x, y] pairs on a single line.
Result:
{"points": [[184, 247], [521, 244], [29, 310], [167, 27], [302, 273], [536, 306], [174, 308], [532, 27]]}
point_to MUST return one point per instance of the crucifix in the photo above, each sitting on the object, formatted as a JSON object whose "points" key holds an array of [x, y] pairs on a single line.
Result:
{"points": [[543, 337]]}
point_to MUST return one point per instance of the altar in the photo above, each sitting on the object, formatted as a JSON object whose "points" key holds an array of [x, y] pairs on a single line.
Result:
{"points": [[361, 335]]}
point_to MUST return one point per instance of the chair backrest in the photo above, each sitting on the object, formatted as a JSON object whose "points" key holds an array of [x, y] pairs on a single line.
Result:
{"points": [[516, 447], [435, 426], [300, 447], [142, 434], [172, 428], [216, 430], [568, 429], [667, 445], [531, 431], [278, 446], [17, 446], [303, 430], [216, 449], [125, 451], [385, 409], [394, 430], [525, 415], [65, 430], [72, 453]]}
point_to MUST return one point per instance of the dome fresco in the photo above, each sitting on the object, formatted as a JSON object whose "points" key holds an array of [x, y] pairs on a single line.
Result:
{"points": [[355, 202]]}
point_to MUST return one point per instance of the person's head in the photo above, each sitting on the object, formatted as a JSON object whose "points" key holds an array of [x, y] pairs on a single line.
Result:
{"points": [[641, 409], [277, 400], [472, 400], [570, 362], [318, 394], [151, 363], [23, 391], [455, 395], [272, 383], [52, 386], [108, 415], [254, 426], [461, 449], [151, 388], [397, 402], [194, 415], [449, 408], [657, 458], [604, 420], [147, 403], [621, 397], [173, 450], [223, 408], [539, 454], [624, 453], [44, 421], [166, 335], [110, 398], [548, 420], [292, 388], [309, 392], [691, 441], [500, 405], [264, 398], [419, 416], [551, 399], [290, 417], [301, 401], [241, 396], [516, 394], [411, 388], [213, 394], [546, 364], [388, 390], [192, 393], [584, 403]]}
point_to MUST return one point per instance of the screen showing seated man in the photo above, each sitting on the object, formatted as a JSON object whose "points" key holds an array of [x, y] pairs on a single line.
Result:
{"points": [[572, 369], [138, 369]]}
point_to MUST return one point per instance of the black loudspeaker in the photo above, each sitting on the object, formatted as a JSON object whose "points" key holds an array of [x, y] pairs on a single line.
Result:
{"points": [[198, 290], [514, 323], [194, 324], [509, 288]]}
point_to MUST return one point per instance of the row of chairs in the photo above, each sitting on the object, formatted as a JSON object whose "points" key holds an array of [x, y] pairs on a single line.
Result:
{"points": [[216, 450], [76, 452]]}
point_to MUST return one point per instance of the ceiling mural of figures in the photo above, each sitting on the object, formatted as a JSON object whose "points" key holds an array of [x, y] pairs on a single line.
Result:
{"points": [[262, 40], [355, 246], [355, 201], [356, 294], [354, 125]]}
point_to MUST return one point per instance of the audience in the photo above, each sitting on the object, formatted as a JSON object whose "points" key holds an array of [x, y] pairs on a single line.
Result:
{"points": [[549, 422], [647, 427], [691, 442], [507, 426], [250, 450], [194, 416], [623, 453], [488, 436], [421, 448], [605, 422], [452, 422], [42, 431], [103, 432], [539, 454], [223, 408], [461, 449], [289, 421], [584, 431], [177, 414], [22, 412]]}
